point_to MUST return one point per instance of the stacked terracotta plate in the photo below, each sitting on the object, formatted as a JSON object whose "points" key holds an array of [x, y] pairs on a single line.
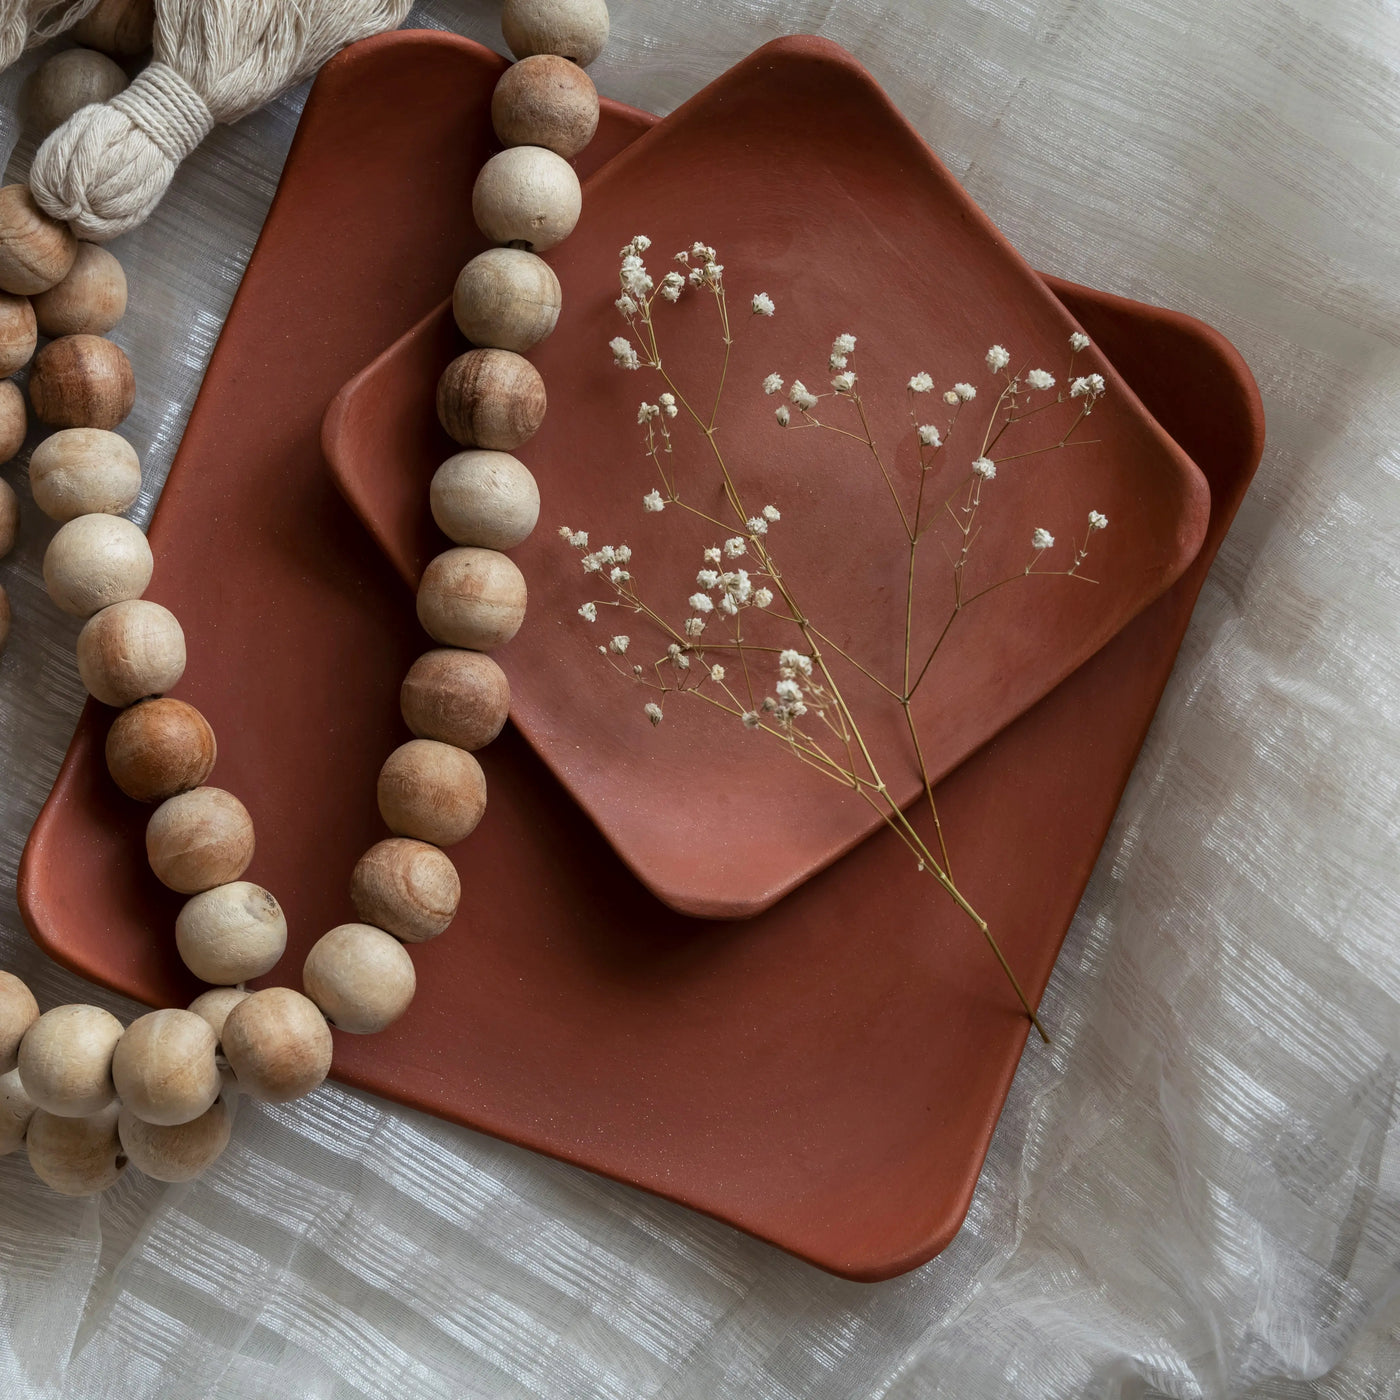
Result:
{"points": [[795, 1032]]}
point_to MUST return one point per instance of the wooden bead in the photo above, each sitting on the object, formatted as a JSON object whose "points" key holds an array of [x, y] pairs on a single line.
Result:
{"points": [[14, 419], [528, 197], [65, 1060], [16, 1109], [66, 82], [19, 332], [407, 888], [76, 1156], [506, 299], [360, 977], [215, 1004], [84, 471], [431, 792], [95, 561], [199, 839], [459, 697], [232, 933], [545, 101], [491, 398], [163, 1067], [472, 598], [485, 498], [177, 1153], [160, 748], [35, 250], [120, 27], [89, 301], [81, 381], [9, 517], [574, 29], [18, 1011], [130, 651], [278, 1044]]}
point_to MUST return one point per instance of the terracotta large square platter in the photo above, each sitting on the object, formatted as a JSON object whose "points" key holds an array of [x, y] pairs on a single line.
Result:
{"points": [[826, 1075]]}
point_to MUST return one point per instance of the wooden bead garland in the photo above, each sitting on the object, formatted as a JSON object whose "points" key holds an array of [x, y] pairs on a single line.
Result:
{"points": [[163, 1067], [84, 471], [545, 100], [175, 1120], [65, 1060], [408, 888], [199, 839], [90, 300], [360, 977], [14, 419], [160, 748], [81, 381], [491, 398], [130, 651], [95, 561], [527, 197], [19, 332], [66, 82], [459, 697], [506, 299], [35, 250], [485, 498]]}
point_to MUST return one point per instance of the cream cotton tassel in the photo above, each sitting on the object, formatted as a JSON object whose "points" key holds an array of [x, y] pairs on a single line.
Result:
{"points": [[108, 165]]}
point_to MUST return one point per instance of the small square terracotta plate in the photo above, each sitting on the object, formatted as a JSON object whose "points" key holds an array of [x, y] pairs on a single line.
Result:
{"points": [[814, 189]]}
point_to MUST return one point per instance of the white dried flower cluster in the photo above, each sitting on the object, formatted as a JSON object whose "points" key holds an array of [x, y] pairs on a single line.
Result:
{"points": [[841, 347], [1097, 520], [998, 357], [802, 396], [1089, 387], [985, 468], [589, 612], [964, 392], [647, 412], [1042, 539], [734, 547], [773, 384], [921, 383], [763, 304], [624, 353], [653, 712], [619, 645], [844, 382], [1040, 379], [929, 436], [672, 285], [788, 703], [652, 502], [1078, 341], [668, 405], [783, 416]]}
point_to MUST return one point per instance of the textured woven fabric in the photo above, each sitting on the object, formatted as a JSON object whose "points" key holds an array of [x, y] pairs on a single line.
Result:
{"points": [[1196, 1191]]}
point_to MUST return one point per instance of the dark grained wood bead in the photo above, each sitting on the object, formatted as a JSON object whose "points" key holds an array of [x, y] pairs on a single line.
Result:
{"points": [[160, 748], [90, 300], [81, 381], [545, 100], [458, 697], [491, 398], [431, 792], [407, 888]]}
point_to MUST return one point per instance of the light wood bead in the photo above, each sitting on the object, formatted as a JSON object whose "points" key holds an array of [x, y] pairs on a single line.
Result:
{"points": [[360, 977], [163, 1067], [120, 27], [199, 839], [472, 598], [84, 471], [215, 1004], [459, 697], [18, 1011], [574, 29], [9, 517], [35, 250], [130, 651], [76, 1156], [548, 101], [528, 197], [65, 1060], [4, 617], [431, 792], [65, 83], [178, 1153], [89, 301], [160, 748], [407, 888], [491, 398], [14, 419], [485, 498], [278, 1044], [81, 381], [16, 1109], [506, 299], [95, 561], [232, 933], [19, 332]]}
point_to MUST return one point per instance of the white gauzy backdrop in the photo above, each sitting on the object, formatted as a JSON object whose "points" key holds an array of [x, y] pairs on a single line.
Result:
{"points": [[1197, 1191]]}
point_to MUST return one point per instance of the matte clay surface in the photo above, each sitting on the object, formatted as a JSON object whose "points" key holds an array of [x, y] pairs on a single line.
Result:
{"points": [[877, 239], [827, 1076]]}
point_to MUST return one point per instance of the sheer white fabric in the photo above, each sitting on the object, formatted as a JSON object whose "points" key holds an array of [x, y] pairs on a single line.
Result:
{"points": [[1196, 1192]]}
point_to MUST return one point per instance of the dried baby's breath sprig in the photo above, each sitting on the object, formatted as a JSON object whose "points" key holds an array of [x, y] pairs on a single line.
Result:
{"points": [[711, 652]]}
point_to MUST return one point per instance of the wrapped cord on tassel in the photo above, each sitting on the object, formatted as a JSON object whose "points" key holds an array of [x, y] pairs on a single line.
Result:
{"points": [[108, 165]]}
